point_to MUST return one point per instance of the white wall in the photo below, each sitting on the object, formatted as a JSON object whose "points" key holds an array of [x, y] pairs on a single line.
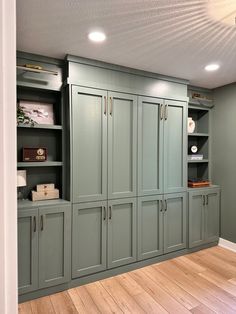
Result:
{"points": [[8, 211]]}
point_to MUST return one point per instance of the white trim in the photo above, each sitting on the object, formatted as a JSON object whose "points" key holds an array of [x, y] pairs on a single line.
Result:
{"points": [[227, 245]]}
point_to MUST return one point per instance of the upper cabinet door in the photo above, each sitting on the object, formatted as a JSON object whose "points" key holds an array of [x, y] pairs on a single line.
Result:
{"points": [[212, 204], [89, 144], [175, 147], [150, 146], [122, 145]]}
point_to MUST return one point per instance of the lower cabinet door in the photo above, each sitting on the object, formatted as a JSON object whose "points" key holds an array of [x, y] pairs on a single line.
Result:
{"points": [[89, 229], [174, 222], [212, 215], [150, 226], [196, 229], [121, 232], [27, 250], [54, 245]]}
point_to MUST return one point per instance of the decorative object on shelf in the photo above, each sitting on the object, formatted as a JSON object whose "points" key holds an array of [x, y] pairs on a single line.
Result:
{"points": [[193, 149], [21, 182], [34, 154], [23, 118], [191, 125], [198, 183], [40, 113], [195, 157], [35, 68], [45, 192]]}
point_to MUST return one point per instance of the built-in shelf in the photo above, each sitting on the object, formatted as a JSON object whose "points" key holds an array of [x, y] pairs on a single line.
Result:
{"points": [[198, 161], [22, 204], [198, 134], [41, 126], [27, 69], [39, 164]]}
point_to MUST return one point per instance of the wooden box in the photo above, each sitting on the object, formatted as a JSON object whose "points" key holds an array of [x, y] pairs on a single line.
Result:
{"points": [[45, 187], [45, 195], [34, 154]]}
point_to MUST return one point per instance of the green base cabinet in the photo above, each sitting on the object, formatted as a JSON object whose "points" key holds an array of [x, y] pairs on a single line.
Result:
{"points": [[204, 216], [44, 247]]}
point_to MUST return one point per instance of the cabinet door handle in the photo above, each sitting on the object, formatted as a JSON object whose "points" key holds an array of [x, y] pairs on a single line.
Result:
{"points": [[204, 200], [207, 199], [34, 222], [111, 106], [161, 112], [105, 105], [166, 205], [166, 112], [161, 205], [105, 213], [110, 214], [41, 222]]}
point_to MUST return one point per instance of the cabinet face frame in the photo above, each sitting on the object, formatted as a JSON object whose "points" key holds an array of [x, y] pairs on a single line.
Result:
{"points": [[157, 104]]}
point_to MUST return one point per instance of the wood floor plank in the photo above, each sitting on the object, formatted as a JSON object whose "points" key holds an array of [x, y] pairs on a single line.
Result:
{"points": [[144, 300], [202, 309], [82, 301], [24, 308], [62, 303], [42, 306]]}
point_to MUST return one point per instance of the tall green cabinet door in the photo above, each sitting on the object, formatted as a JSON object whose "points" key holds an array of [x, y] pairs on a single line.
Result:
{"points": [[54, 245], [212, 215], [122, 145], [89, 144], [150, 146], [27, 250], [121, 232], [150, 226], [196, 218], [175, 147], [89, 230], [174, 222]]}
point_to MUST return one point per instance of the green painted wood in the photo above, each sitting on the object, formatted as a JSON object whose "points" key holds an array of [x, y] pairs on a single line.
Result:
{"points": [[212, 218], [89, 230], [175, 147], [150, 146], [27, 250], [196, 224], [54, 245], [122, 145], [150, 226], [122, 225], [175, 214], [89, 144]]}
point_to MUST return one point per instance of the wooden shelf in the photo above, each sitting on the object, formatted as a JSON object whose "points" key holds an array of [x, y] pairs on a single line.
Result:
{"points": [[198, 134], [41, 126], [21, 67], [198, 161], [39, 164]]}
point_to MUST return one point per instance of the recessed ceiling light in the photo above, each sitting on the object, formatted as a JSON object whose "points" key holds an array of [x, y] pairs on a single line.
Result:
{"points": [[212, 67], [97, 37]]}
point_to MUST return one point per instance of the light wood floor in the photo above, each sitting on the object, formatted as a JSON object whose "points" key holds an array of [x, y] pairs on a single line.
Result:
{"points": [[198, 283]]}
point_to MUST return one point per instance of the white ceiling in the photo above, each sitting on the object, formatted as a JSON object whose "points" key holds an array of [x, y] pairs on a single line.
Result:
{"points": [[171, 37]]}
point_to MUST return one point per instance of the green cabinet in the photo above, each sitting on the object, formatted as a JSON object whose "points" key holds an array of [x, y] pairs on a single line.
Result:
{"points": [[162, 142], [103, 235], [89, 230], [104, 144], [204, 207], [43, 247]]}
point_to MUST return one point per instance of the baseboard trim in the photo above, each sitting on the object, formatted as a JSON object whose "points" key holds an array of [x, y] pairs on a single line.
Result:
{"points": [[227, 245]]}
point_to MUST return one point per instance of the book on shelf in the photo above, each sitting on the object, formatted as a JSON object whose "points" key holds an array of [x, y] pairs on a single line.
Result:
{"points": [[195, 157]]}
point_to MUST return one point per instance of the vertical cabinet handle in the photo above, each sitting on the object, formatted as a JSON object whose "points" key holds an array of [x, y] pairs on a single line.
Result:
{"points": [[105, 213], [166, 112], [161, 205], [207, 199], [105, 105], [110, 212], [204, 200], [161, 112], [41, 223], [111, 106], [34, 219], [166, 205]]}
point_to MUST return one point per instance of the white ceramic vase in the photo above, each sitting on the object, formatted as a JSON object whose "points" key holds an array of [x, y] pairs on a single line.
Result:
{"points": [[191, 125]]}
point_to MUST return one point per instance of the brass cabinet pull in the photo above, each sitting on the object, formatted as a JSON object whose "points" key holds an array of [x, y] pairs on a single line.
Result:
{"points": [[110, 214], [166, 112], [161, 112], [41, 222], [105, 105], [105, 213], [111, 106], [34, 219]]}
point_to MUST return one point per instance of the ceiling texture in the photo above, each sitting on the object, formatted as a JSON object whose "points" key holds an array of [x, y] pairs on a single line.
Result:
{"points": [[171, 37]]}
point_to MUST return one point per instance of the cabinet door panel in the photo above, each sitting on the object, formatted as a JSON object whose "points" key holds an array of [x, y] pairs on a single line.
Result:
{"points": [[122, 145], [121, 232], [212, 215], [27, 250], [150, 146], [89, 229], [54, 245], [175, 147], [89, 144], [150, 227], [196, 219], [175, 222]]}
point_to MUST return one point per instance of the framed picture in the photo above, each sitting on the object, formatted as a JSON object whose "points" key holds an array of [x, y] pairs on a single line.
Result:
{"points": [[39, 112]]}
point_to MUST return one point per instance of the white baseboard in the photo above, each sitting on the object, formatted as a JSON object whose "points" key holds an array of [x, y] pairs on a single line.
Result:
{"points": [[227, 245]]}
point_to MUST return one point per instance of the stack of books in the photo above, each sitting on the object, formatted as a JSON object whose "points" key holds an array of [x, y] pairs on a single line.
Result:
{"points": [[195, 157]]}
